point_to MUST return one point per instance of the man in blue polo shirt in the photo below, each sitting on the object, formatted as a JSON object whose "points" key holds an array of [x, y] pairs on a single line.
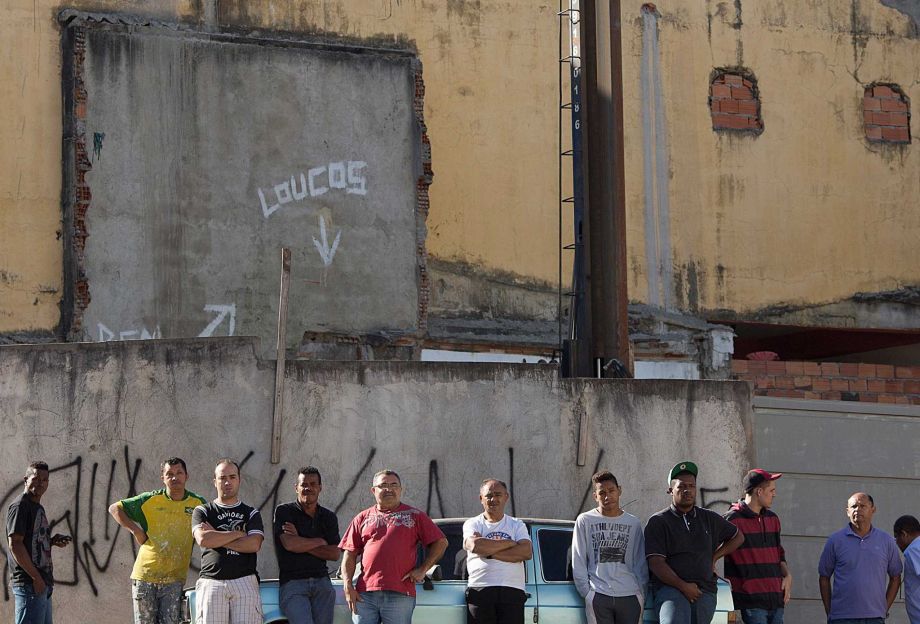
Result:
{"points": [[866, 567], [906, 532]]}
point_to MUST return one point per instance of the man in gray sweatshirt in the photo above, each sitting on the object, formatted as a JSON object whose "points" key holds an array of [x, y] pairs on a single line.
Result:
{"points": [[608, 557]]}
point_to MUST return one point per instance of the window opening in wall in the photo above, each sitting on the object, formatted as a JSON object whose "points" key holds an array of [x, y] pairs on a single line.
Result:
{"points": [[886, 114], [734, 102]]}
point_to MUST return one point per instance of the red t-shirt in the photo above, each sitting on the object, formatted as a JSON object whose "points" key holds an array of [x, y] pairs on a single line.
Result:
{"points": [[387, 541]]}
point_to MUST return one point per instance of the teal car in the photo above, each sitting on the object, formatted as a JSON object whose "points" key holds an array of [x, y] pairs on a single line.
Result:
{"points": [[551, 594]]}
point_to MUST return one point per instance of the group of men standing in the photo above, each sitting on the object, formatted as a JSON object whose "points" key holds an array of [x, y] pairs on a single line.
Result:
{"points": [[683, 542], [613, 559]]}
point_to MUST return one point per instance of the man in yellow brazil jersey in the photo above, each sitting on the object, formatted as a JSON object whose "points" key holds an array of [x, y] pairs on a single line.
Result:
{"points": [[161, 522]]}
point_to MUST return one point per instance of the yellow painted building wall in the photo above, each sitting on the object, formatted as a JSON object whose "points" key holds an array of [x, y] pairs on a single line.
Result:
{"points": [[808, 212], [31, 253]]}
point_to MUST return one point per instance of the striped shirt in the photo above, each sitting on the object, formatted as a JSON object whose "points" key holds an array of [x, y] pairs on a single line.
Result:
{"points": [[754, 569]]}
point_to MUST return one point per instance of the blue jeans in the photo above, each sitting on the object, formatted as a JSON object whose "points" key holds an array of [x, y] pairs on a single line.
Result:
{"points": [[308, 601], [384, 607], [30, 607], [762, 616], [673, 607]]}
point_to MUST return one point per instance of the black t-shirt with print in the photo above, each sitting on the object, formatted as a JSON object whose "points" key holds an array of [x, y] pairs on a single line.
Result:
{"points": [[27, 518], [223, 563]]}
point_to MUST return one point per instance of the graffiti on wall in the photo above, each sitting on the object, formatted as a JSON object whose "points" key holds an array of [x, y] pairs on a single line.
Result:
{"points": [[82, 512], [222, 314], [96, 536], [345, 175]]}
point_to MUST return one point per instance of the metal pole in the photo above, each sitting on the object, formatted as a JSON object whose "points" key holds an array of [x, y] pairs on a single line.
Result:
{"points": [[606, 193], [281, 354]]}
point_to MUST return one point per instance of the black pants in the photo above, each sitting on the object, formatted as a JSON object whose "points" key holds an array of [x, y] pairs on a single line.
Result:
{"points": [[495, 605], [609, 610]]}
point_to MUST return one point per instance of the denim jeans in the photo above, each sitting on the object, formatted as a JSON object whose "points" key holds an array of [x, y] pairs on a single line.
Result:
{"points": [[762, 616], [308, 601], [384, 607], [30, 607], [673, 607]]}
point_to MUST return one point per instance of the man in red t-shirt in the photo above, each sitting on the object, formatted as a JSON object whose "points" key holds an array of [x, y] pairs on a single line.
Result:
{"points": [[386, 536]]}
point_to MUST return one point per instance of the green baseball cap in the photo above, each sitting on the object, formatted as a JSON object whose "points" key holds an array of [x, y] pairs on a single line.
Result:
{"points": [[684, 466]]}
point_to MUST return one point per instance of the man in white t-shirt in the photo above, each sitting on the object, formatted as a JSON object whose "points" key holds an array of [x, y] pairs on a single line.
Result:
{"points": [[498, 545]]}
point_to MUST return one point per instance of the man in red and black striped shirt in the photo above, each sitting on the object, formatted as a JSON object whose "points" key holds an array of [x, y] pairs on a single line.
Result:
{"points": [[761, 583]]}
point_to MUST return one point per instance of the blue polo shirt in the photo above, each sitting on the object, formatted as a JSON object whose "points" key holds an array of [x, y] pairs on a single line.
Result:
{"points": [[912, 581], [861, 567]]}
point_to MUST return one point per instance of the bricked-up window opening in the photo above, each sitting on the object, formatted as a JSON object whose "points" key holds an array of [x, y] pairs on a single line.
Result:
{"points": [[886, 114], [734, 103]]}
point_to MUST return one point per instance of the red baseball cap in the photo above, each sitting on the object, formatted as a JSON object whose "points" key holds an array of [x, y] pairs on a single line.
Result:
{"points": [[757, 476]]}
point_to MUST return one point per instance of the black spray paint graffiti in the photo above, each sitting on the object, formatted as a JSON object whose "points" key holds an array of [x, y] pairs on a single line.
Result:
{"points": [[434, 487], [354, 483], [713, 503], [705, 493], [84, 561], [90, 554]]}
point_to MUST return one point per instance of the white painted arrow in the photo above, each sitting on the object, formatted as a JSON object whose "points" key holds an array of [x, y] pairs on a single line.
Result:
{"points": [[222, 312], [325, 252]]}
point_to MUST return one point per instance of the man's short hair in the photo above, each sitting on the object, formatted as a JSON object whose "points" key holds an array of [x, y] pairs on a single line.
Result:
{"points": [[174, 461], [227, 460], [866, 494], [490, 480], [604, 475], [384, 473], [907, 524], [36, 466], [311, 470]]}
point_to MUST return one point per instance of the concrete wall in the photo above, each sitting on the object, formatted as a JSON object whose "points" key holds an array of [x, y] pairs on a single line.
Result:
{"points": [[806, 223], [206, 156], [827, 450], [103, 415]]}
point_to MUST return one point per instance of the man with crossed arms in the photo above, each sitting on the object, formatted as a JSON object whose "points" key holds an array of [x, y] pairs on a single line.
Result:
{"points": [[230, 534], [498, 545]]}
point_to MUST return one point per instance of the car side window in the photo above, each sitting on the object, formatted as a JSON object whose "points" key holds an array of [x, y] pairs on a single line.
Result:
{"points": [[453, 563], [555, 554]]}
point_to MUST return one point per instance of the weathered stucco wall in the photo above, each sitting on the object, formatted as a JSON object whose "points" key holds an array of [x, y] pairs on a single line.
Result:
{"points": [[206, 156], [807, 214], [820, 445], [809, 211], [103, 415]]}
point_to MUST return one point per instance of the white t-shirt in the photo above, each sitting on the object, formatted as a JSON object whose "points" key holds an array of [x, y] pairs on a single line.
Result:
{"points": [[492, 572]]}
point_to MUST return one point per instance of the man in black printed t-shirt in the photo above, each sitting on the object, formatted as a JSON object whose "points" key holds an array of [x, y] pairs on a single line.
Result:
{"points": [[230, 534], [29, 539]]}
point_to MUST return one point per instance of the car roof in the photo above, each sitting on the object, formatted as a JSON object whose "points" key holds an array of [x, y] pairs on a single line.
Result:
{"points": [[528, 521]]}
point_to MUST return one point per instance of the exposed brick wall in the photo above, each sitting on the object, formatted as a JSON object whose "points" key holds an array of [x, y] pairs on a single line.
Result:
{"points": [[422, 203], [886, 114], [832, 381], [82, 194], [734, 103]]}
